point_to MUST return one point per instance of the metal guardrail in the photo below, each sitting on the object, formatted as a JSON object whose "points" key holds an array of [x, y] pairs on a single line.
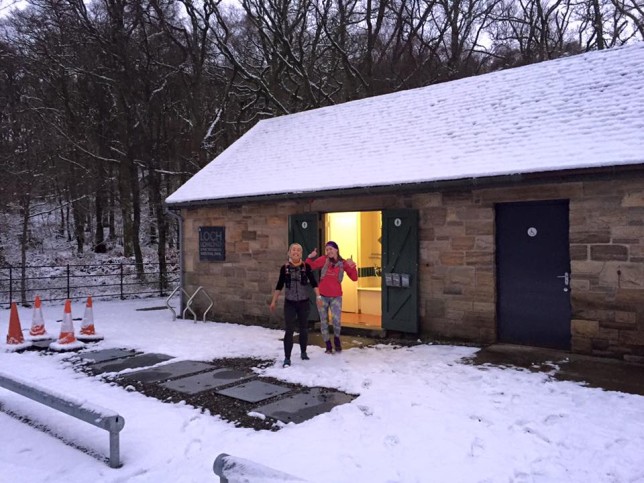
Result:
{"points": [[107, 280], [232, 469], [92, 414]]}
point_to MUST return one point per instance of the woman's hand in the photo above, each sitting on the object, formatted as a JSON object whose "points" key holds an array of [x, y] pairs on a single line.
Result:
{"points": [[314, 253]]}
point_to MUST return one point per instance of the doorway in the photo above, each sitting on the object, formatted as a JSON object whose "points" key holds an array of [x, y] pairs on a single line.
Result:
{"points": [[533, 273], [359, 236], [384, 245]]}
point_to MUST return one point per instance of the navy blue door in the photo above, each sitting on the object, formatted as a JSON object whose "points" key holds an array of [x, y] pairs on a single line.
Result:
{"points": [[533, 273]]}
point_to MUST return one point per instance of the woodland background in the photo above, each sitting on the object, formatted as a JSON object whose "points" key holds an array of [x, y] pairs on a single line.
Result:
{"points": [[107, 106]]}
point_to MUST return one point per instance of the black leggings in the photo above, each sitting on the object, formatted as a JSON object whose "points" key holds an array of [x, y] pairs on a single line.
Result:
{"points": [[296, 311]]}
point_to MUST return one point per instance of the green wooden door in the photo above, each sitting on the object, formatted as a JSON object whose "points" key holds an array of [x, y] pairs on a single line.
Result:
{"points": [[304, 229], [400, 270]]}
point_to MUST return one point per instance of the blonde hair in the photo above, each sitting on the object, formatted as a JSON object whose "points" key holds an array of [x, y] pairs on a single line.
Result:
{"points": [[294, 245], [288, 253]]}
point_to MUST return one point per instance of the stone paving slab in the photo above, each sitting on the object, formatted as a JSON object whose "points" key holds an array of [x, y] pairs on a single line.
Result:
{"points": [[141, 360], [306, 405], [254, 391], [207, 380], [106, 355], [168, 371]]}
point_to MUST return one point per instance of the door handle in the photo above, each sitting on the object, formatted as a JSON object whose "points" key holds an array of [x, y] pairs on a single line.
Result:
{"points": [[566, 279]]}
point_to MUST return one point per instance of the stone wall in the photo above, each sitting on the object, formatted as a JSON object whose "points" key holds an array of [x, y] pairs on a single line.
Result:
{"points": [[457, 293], [457, 296], [256, 245], [607, 253]]}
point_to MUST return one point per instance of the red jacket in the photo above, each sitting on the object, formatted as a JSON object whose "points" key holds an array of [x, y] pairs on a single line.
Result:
{"points": [[330, 285]]}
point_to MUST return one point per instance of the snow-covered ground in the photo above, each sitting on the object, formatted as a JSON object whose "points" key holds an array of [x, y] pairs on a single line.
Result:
{"points": [[422, 415]]}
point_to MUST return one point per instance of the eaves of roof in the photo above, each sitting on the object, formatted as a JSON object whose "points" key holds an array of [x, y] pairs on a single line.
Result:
{"points": [[587, 174]]}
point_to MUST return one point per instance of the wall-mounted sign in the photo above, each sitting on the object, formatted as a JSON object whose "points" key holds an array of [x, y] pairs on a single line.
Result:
{"points": [[404, 280], [212, 243], [397, 280], [392, 280]]}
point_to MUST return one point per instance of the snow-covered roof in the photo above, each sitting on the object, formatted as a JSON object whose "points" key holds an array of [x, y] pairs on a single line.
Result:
{"points": [[585, 111]]}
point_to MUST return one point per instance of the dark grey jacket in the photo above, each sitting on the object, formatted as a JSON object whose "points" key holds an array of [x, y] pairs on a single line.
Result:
{"points": [[297, 281]]}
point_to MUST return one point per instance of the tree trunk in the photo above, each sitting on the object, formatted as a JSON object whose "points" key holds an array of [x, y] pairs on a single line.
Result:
{"points": [[154, 234], [79, 226], [99, 239], [111, 207], [25, 203], [598, 25], [136, 219], [156, 204]]}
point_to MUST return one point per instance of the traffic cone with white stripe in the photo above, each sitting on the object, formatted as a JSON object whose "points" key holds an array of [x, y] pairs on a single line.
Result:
{"points": [[15, 339], [67, 340], [38, 331], [88, 332]]}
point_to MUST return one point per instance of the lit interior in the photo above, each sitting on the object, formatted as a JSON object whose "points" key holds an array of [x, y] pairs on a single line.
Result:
{"points": [[358, 235]]}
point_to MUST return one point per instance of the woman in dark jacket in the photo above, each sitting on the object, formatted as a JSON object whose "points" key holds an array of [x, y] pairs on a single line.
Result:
{"points": [[297, 277]]}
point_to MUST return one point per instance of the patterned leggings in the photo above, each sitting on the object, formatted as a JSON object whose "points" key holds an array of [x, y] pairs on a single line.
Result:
{"points": [[333, 304]]}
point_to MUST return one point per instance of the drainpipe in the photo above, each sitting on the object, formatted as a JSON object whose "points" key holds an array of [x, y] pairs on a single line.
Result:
{"points": [[177, 215]]}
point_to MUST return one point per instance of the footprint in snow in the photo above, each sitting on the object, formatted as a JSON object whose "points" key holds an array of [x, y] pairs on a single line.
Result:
{"points": [[553, 419], [366, 410], [193, 447], [477, 448], [480, 419], [391, 440]]}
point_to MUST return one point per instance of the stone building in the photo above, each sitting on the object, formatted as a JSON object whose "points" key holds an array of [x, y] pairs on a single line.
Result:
{"points": [[507, 207]]}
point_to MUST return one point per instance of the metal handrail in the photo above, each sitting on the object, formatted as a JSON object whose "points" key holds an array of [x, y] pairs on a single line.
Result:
{"points": [[98, 416], [167, 302], [232, 468]]}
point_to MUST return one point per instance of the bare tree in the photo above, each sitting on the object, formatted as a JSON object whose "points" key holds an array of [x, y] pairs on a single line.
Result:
{"points": [[132, 97], [24, 157], [633, 11], [462, 25], [530, 31]]}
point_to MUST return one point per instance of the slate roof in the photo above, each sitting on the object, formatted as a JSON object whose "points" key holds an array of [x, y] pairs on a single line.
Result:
{"points": [[578, 112]]}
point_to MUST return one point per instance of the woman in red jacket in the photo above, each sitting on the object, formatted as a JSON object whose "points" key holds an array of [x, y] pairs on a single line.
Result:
{"points": [[332, 267]]}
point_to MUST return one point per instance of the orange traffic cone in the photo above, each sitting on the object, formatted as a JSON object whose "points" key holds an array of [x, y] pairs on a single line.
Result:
{"points": [[15, 339], [67, 328], [15, 330], [38, 331], [67, 339], [87, 332]]}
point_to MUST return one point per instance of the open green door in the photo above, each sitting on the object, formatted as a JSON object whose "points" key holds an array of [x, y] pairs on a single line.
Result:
{"points": [[400, 270], [303, 229]]}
